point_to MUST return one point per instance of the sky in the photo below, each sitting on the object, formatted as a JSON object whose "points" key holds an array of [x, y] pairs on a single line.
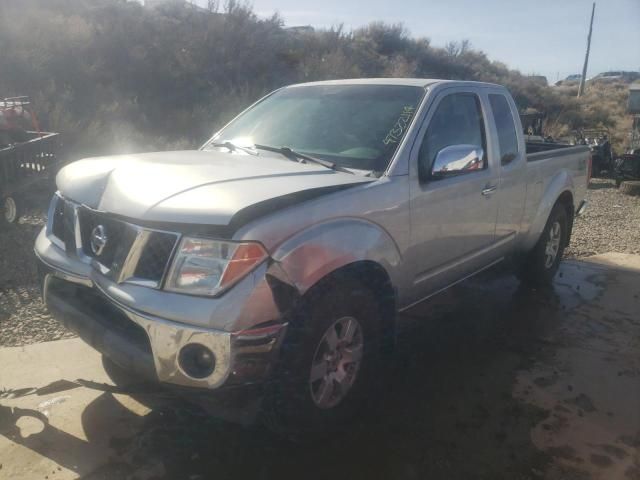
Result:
{"points": [[541, 37]]}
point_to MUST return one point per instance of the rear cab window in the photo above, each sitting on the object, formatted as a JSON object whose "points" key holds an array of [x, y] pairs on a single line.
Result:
{"points": [[505, 127]]}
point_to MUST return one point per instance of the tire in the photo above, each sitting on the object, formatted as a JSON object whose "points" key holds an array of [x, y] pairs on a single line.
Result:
{"points": [[11, 209], [304, 400], [631, 188], [118, 375], [618, 182], [542, 263]]}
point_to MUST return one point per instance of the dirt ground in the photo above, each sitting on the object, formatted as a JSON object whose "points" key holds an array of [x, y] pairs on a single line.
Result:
{"points": [[490, 381]]}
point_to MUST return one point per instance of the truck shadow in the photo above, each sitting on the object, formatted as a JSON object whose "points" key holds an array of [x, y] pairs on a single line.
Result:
{"points": [[448, 409]]}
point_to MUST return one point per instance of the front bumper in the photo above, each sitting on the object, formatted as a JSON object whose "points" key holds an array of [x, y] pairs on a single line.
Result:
{"points": [[148, 344]]}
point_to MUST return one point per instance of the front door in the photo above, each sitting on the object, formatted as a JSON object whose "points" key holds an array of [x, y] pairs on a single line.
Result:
{"points": [[453, 213]]}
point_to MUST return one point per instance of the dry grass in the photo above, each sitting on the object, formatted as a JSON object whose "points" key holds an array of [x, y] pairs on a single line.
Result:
{"points": [[605, 105]]}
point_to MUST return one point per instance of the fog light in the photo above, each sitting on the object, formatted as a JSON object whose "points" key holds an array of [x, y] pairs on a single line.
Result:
{"points": [[196, 360]]}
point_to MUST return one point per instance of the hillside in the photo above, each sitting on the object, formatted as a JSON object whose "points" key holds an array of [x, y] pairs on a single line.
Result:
{"points": [[115, 76], [602, 105]]}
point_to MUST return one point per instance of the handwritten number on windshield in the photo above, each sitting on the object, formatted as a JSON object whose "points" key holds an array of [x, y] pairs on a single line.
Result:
{"points": [[395, 134]]}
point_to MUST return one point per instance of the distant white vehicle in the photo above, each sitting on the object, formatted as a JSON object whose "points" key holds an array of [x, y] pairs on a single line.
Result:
{"points": [[615, 76]]}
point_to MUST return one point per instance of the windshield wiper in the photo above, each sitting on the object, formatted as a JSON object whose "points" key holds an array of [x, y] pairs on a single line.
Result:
{"points": [[233, 147], [297, 157]]}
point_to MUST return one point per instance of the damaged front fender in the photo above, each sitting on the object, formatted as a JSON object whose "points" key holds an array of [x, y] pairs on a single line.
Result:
{"points": [[311, 255]]}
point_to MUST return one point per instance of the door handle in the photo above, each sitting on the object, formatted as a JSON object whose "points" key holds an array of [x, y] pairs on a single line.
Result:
{"points": [[489, 189]]}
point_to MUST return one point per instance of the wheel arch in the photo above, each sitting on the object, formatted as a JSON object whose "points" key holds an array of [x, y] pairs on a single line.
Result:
{"points": [[558, 191], [373, 277], [316, 252], [566, 200], [329, 252]]}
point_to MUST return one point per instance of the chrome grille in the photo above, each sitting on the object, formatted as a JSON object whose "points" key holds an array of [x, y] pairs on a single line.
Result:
{"points": [[155, 256], [120, 238], [61, 223], [131, 253], [57, 222]]}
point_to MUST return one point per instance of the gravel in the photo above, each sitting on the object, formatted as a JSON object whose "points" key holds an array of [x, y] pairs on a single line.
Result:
{"points": [[611, 223], [23, 317]]}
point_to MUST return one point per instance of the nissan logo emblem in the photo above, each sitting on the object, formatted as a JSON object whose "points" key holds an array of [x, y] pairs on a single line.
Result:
{"points": [[98, 240]]}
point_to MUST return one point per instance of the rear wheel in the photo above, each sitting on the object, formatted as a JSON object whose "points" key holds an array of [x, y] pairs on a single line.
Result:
{"points": [[543, 261], [331, 362]]}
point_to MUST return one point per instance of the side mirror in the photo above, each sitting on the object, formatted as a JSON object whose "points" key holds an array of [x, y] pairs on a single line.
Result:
{"points": [[456, 160]]}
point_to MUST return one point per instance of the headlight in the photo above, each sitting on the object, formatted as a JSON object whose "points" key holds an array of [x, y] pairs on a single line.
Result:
{"points": [[205, 267]]}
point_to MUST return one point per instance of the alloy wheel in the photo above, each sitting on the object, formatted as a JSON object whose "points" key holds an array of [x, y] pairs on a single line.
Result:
{"points": [[553, 245], [336, 362]]}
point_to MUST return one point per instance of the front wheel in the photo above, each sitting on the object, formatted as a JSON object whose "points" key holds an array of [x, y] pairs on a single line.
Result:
{"points": [[120, 376], [543, 261], [331, 362]]}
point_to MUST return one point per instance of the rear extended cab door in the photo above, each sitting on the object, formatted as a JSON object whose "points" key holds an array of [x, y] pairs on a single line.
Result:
{"points": [[511, 162], [453, 219]]}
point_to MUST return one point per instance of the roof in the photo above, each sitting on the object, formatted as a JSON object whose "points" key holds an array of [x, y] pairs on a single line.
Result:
{"points": [[407, 82]]}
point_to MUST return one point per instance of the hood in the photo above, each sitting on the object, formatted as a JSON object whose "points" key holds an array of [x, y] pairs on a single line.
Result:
{"points": [[197, 187]]}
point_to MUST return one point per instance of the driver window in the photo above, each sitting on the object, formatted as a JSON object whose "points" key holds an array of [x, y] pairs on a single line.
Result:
{"points": [[457, 121]]}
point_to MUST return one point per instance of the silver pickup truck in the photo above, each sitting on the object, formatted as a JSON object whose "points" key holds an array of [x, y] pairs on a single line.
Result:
{"points": [[275, 259]]}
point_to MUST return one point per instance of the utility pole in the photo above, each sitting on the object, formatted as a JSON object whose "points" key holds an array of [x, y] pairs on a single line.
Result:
{"points": [[586, 57]]}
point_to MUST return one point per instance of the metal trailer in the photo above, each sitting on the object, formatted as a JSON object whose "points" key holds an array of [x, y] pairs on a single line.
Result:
{"points": [[627, 166], [532, 124], [27, 170], [599, 142]]}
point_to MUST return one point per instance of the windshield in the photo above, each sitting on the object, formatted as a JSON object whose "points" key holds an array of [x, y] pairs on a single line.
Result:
{"points": [[354, 126]]}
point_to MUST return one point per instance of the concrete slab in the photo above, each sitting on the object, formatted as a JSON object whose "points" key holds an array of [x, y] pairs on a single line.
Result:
{"points": [[63, 431], [490, 380], [625, 261]]}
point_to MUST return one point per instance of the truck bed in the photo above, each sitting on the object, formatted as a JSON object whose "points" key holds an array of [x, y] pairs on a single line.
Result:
{"points": [[536, 149], [549, 163]]}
